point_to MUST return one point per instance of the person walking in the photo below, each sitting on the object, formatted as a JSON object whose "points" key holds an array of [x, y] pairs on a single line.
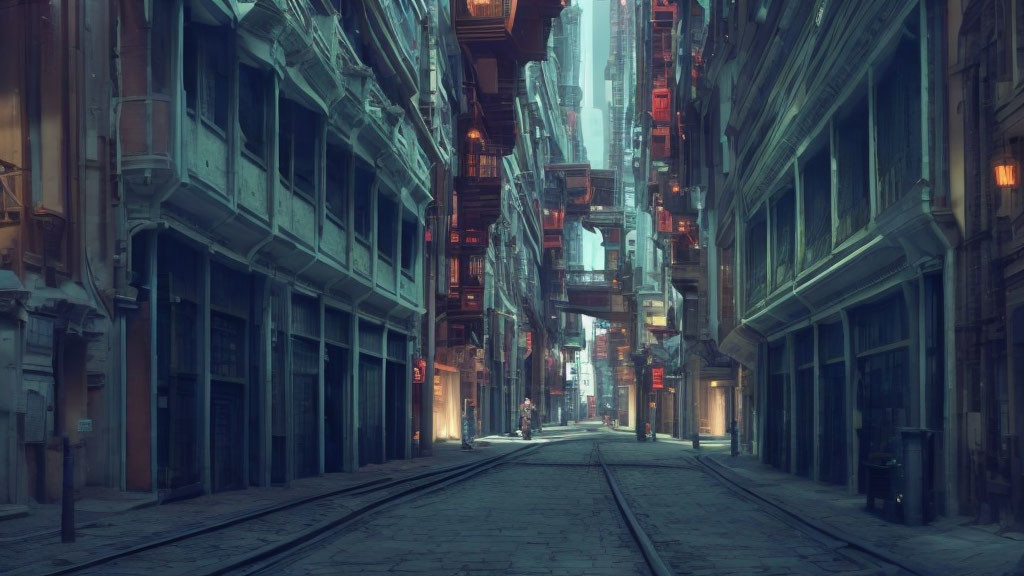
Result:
{"points": [[525, 410]]}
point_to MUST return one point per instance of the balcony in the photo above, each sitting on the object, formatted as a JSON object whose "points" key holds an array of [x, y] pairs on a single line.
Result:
{"points": [[591, 279], [467, 240], [604, 217], [465, 299], [682, 202], [519, 28], [553, 241], [574, 179], [554, 221], [479, 200], [687, 270]]}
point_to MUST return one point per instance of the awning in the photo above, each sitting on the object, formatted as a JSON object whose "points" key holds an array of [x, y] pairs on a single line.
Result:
{"points": [[741, 345]]}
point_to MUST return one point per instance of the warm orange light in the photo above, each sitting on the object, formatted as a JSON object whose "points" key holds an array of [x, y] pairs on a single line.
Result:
{"points": [[1006, 170], [473, 134], [675, 188]]}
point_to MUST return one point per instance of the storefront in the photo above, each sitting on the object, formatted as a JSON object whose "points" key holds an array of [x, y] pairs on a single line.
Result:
{"points": [[337, 329], [447, 409], [229, 374], [371, 392], [305, 368]]}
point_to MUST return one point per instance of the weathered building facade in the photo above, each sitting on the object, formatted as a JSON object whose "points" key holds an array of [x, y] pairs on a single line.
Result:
{"points": [[985, 109], [828, 215], [56, 248]]}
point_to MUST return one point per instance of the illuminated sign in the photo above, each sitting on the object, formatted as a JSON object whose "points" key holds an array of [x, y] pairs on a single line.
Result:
{"points": [[657, 378]]}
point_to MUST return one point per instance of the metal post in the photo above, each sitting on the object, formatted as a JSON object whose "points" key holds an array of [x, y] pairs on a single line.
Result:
{"points": [[427, 392], [67, 503]]}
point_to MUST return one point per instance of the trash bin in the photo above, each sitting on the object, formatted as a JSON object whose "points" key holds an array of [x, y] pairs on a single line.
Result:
{"points": [[916, 477]]}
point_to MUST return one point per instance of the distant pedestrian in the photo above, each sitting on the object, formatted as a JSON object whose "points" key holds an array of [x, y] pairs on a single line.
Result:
{"points": [[525, 415]]}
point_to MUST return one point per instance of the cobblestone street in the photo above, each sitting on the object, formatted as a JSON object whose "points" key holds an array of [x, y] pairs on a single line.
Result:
{"points": [[516, 507]]}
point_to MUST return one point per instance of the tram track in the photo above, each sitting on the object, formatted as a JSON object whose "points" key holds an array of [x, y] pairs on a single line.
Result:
{"points": [[274, 564], [812, 527], [391, 488]]}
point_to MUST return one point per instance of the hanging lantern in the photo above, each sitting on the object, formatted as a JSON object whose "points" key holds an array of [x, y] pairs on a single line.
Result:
{"points": [[1006, 170]]}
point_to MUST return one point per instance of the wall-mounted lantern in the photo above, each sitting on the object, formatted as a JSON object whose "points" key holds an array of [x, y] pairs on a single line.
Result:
{"points": [[1006, 170]]}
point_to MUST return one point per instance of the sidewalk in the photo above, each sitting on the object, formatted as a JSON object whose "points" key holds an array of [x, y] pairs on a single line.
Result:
{"points": [[945, 546], [110, 520]]}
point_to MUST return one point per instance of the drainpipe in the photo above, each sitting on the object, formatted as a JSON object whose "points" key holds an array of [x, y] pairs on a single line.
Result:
{"points": [[949, 345]]}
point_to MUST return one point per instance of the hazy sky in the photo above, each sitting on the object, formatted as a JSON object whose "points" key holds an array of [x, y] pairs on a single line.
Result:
{"points": [[592, 123]]}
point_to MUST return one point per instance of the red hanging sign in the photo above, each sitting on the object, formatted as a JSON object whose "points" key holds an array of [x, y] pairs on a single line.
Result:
{"points": [[657, 378], [419, 370]]}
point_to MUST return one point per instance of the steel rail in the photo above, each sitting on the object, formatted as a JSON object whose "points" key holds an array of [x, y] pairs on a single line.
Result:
{"points": [[807, 525], [654, 561], [271, 558], [371, 486]]}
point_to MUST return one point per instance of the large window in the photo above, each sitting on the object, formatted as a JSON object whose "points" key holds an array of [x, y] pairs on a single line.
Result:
{"points": [[853, 202], [409, 245], [817, 202], [297, 147], [898, 119], [207, 73], [336, 191], [783, 238], [362, 191], [475, 273], [252, 110], [757, 258], [387, 227]]}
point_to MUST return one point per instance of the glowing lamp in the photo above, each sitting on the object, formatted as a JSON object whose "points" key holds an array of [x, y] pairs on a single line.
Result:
{"points": [[1007, 171], [473, 134]]}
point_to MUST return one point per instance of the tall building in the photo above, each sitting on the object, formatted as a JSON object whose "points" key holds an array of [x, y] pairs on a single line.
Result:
{"points": [[213, 271], [832, 269]]}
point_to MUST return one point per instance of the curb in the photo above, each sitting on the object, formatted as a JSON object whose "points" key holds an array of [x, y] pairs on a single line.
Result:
{"points": [[735, 479]]}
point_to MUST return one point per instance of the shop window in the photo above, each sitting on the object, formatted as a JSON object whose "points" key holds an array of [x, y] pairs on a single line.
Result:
{"points": [[363, 190], [898, 119], [475, 272], [227, 347], [305, 316], [337, 326], [817, 203], [387, 218], [409, 245], [336, 191], [453, 271], [757, 258], [783, 239], [252, 110], [853, 203]]}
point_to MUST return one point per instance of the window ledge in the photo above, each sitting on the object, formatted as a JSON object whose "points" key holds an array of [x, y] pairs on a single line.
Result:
{"points": [[212, 127], [254, 158]]}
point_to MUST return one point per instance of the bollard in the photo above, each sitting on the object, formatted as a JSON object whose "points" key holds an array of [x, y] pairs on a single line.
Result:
{"points": [[67, 504], [734, 441], [696, 440]]}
